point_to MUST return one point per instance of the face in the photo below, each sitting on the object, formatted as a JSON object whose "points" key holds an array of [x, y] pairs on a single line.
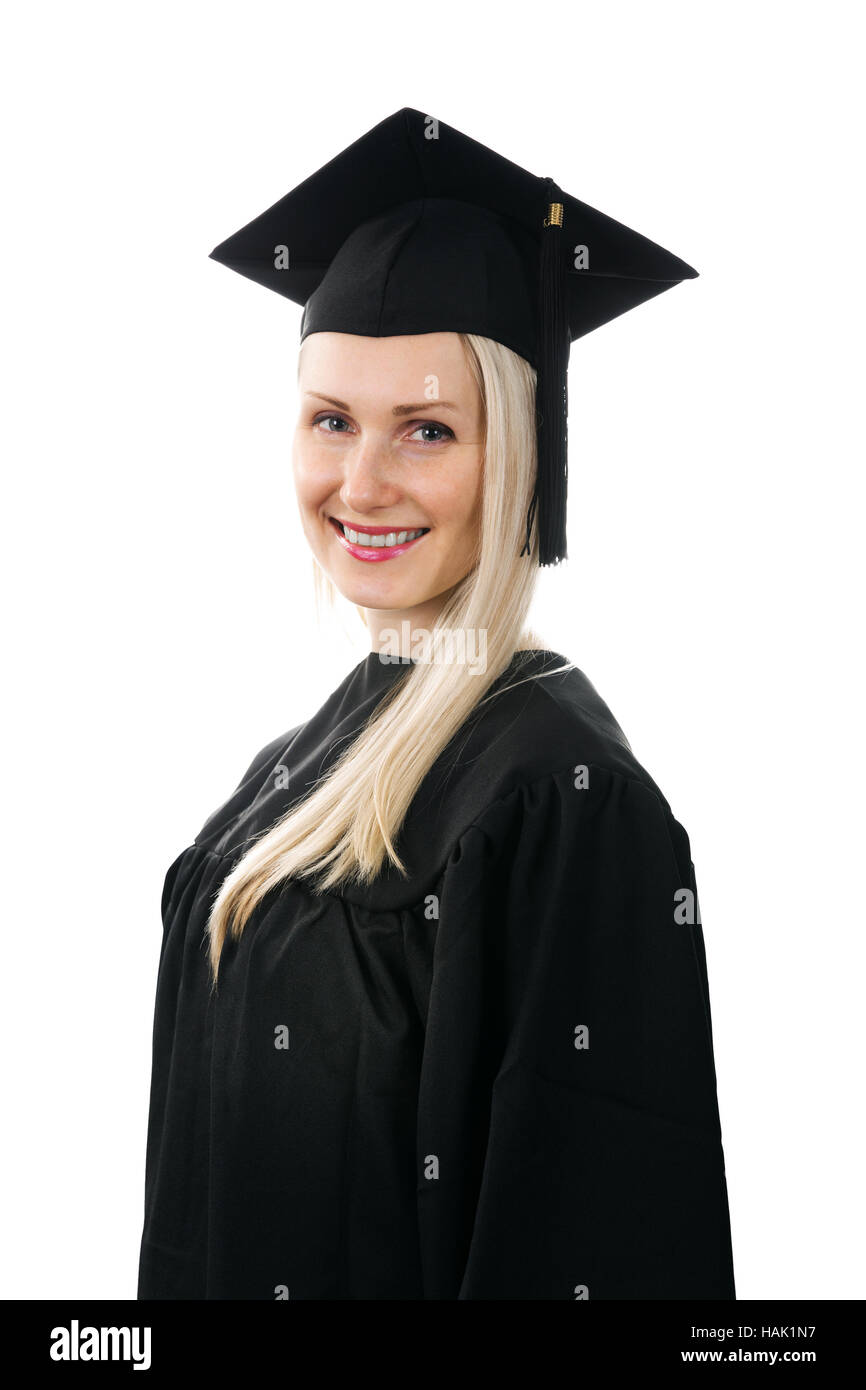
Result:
{"points": [[389, 443]]}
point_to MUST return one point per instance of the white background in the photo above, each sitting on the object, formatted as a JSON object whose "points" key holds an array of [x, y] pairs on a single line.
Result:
{"points": [[159, 621]]}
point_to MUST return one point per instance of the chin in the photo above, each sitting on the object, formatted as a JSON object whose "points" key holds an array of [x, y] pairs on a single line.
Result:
{"points": [[396, 597]]}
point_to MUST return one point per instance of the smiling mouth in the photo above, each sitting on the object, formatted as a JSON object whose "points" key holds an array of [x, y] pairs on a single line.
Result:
{"points": [[376, 542]]}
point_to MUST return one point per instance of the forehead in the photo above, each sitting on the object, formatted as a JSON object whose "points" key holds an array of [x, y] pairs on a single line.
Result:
{"points": [[409, 367]]}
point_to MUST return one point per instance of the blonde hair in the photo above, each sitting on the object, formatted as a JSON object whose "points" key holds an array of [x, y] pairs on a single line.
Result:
{"points": [[343, 831]]}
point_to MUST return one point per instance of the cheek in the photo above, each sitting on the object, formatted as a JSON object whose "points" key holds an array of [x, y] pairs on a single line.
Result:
{"points": [[456, 497], [312, 477]]}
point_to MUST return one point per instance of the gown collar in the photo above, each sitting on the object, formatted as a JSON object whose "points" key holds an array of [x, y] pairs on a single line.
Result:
{"points": [[378, 670]]}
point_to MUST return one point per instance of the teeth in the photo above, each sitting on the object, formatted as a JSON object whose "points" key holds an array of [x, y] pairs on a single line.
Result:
{"points": [[392, 537]]}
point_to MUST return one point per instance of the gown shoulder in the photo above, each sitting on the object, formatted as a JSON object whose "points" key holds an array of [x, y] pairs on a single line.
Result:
{"points": [[545, 730]]}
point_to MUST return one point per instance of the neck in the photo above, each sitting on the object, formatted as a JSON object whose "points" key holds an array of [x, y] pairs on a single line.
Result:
{"points": [[414, 634], [402, 632]]}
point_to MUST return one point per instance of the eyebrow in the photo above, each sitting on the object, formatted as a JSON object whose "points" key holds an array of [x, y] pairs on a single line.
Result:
{"points": [[397, 409]]}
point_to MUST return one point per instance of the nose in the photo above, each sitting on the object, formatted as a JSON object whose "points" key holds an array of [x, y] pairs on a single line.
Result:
{"points": [[368, 479]]}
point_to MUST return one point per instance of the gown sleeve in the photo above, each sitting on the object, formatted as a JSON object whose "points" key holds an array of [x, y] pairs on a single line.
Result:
{"points": [[603, 1175]]}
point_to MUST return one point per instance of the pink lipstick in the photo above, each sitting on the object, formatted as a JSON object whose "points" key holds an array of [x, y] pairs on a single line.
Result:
{"points": [[377, 550]]}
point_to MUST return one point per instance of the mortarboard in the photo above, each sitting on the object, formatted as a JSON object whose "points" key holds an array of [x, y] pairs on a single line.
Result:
{"points": [[416, 228]]}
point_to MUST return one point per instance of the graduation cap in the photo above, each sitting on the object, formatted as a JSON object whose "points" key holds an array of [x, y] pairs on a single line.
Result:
{"points": [[416, 228]]}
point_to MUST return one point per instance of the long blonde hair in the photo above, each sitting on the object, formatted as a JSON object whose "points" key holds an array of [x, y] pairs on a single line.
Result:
{"points": [[345, 829]]}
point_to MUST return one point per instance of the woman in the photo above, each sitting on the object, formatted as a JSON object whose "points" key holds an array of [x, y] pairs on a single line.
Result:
{"points": [[432, 1018]]}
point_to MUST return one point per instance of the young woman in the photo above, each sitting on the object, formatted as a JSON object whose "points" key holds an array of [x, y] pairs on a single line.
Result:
{"points": [[432, 1017]]}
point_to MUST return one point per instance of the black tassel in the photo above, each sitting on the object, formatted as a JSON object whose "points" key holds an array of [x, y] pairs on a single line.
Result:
{"points": [[553, 348]]}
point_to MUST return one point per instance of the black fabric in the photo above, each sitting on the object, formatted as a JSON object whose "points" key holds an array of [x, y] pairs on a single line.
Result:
{"points": [[425, 231], [416, 228], [432, 1131]]}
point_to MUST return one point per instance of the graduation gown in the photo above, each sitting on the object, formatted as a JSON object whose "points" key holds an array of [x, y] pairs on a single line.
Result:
{"points": [[491, 1080]]}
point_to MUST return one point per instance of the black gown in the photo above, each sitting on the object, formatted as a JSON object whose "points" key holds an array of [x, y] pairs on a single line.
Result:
{"points": [[491, 1080]]}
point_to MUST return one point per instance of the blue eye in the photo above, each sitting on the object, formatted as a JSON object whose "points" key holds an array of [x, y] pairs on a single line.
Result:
{"points": [[320, 419], [445, 432]]}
